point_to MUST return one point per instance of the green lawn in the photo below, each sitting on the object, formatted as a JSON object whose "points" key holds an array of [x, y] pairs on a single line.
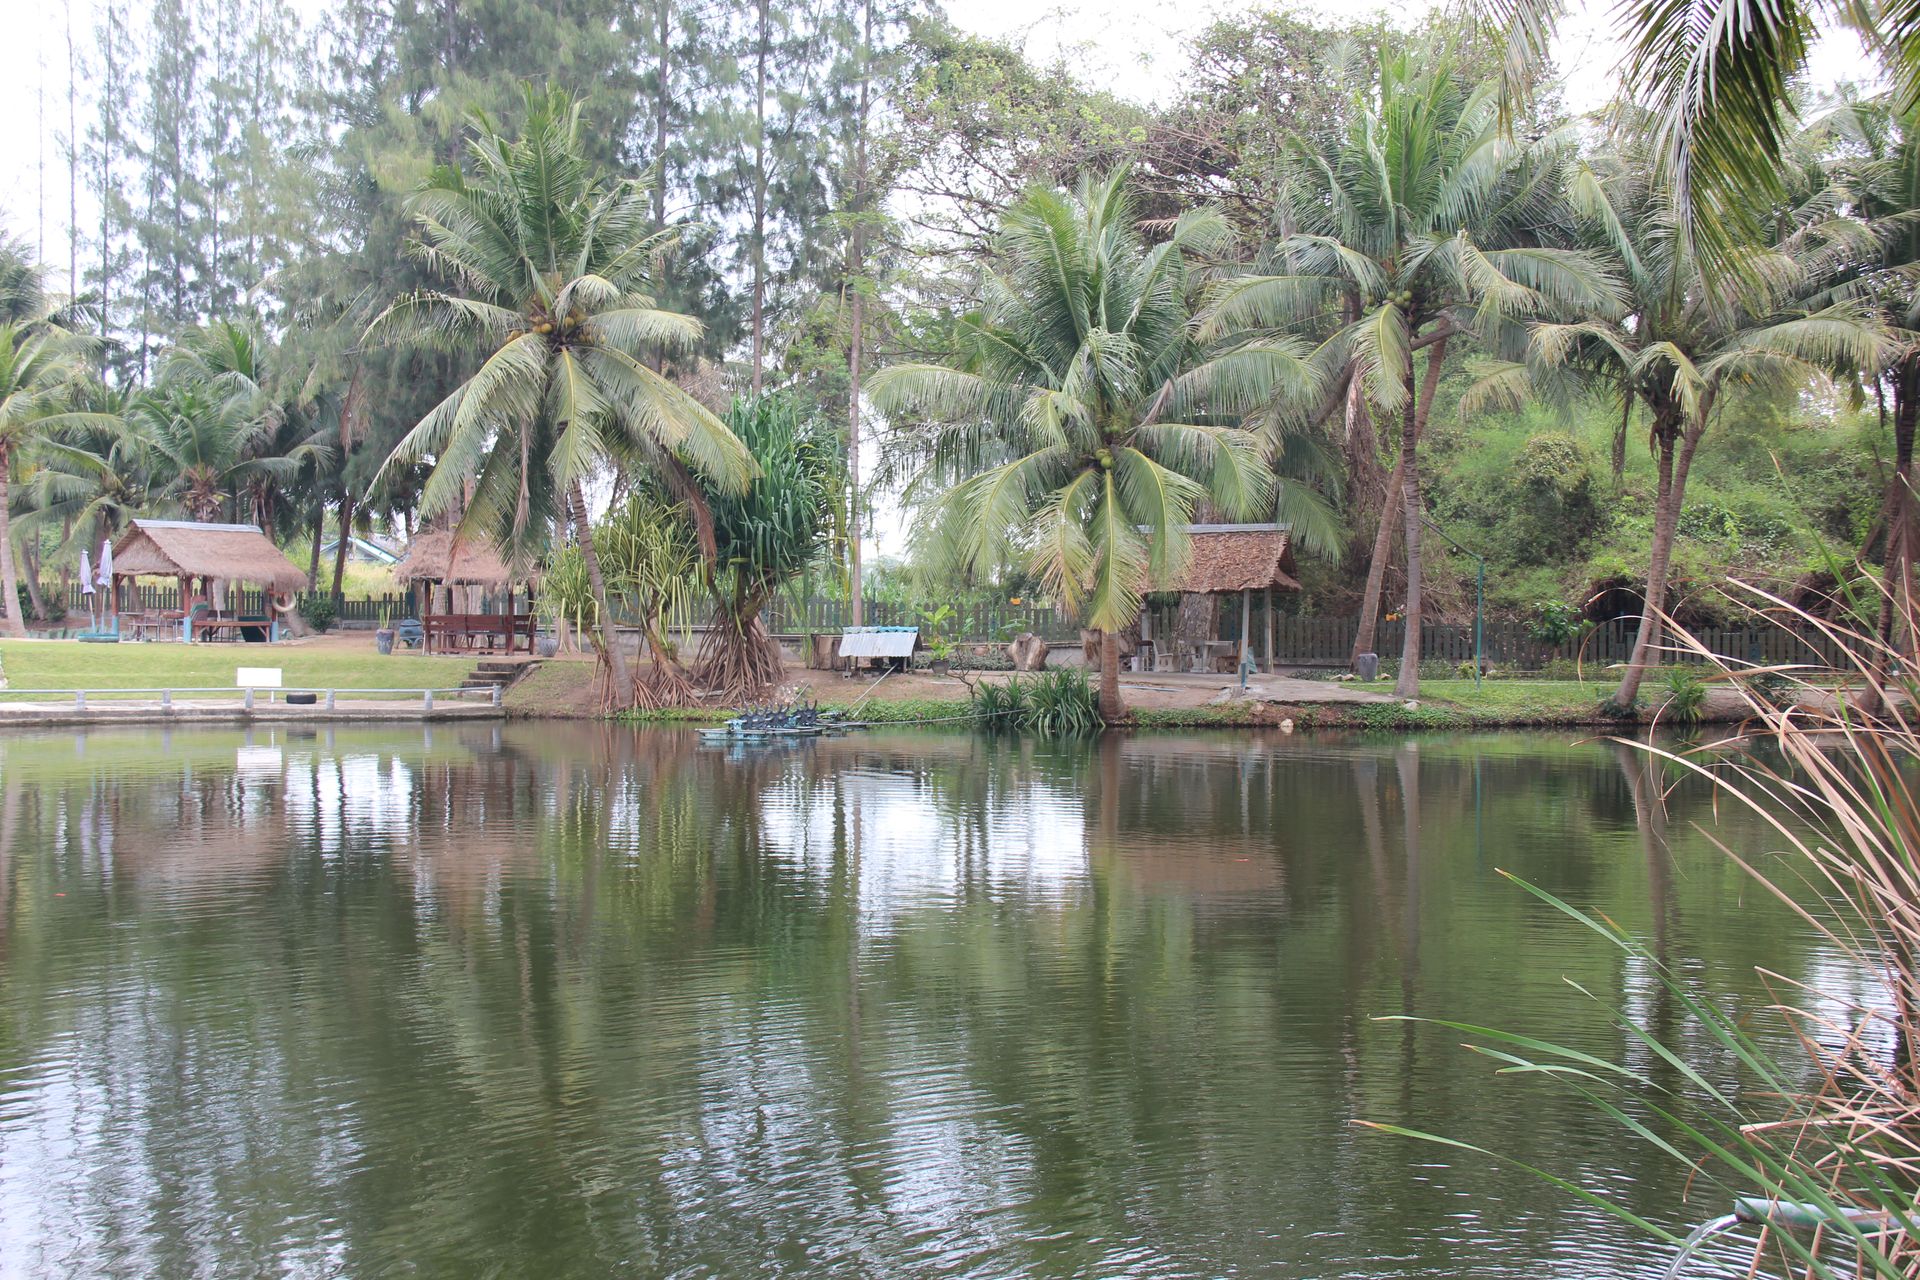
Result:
{"points": [[68, 664]]}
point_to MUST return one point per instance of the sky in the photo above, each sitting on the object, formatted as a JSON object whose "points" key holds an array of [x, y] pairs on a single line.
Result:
{"points": [[1133, 46]]}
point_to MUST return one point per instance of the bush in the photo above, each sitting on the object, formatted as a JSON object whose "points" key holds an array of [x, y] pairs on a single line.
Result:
{"points": [[1555, 622], [1686, 696], [319, 611], [1058, 703]]}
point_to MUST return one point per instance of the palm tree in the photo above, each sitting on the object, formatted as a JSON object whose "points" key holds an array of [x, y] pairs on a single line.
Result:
{"points": [[1422, 223], [40, 368], [546, 264], [1715, 80], [88, 480], [234, 365], [1685, 338], [1084, 419], [1867, 152]]}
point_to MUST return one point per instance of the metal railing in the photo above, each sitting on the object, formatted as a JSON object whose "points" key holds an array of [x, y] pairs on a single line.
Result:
{"points": [[246, 695]]}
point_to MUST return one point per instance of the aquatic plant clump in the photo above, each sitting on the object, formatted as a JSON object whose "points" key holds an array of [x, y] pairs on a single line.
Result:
{"points": [[1056, 703]]}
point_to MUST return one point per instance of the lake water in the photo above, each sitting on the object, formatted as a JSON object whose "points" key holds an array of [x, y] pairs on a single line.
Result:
{"points": [[570, 1000]]}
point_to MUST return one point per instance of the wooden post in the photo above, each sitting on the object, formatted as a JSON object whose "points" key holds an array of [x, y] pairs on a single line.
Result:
{"points": [[1266, 607], [1246, 626]]}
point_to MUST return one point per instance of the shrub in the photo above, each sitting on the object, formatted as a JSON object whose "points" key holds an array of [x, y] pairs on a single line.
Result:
{"points": [[1056, 704], [1686, 696], [319, 611]]}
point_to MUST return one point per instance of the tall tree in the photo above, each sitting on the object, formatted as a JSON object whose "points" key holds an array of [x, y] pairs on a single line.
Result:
{"points": [[1685, 340], [1082, 423], [1420, 224], [546, 262]]}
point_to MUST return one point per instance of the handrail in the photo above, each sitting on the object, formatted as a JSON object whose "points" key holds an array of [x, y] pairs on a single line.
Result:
{"points": [[246, 692]]}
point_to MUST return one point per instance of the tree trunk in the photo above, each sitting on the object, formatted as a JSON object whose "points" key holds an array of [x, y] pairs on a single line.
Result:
{"points": [[1676, 455], [313, 556], [340, 548], [1112, 710], [9, 581], [760, 200], [857, 308], [1896, 606], [1407, 684], [1377, 568], [609, 633], [30, 562]]}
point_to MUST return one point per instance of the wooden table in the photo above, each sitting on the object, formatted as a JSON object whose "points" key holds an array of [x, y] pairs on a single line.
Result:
{"points": [[210, 627], [478, 632]]}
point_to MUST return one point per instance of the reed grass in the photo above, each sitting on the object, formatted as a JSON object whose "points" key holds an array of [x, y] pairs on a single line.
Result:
{"points": [[1827, 758]]}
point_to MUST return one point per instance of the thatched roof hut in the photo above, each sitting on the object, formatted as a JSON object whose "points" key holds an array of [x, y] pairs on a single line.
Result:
{"points": [[1227, 560], [1230, 558], [434, 556], [184, 549]]}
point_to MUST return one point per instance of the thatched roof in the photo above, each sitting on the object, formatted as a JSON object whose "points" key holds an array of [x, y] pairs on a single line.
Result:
{"points": [[184, 549], [1234, 558], [433, 556]]}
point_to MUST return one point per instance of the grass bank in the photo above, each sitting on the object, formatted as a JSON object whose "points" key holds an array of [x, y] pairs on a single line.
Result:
{"points": [[565, 690], [69, 664]]}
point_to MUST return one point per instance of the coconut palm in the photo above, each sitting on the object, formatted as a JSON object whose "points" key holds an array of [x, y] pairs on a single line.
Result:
{"points": [[547, 263], [1865, 151], [234, 364], [1687, 338], [1084, 420], [40, 368], [1421, 224], [88, 480], [1715, 79]]}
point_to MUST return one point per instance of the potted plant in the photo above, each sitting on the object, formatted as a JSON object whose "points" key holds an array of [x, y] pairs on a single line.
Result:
{"points": [[383, 636], [939, 647]]}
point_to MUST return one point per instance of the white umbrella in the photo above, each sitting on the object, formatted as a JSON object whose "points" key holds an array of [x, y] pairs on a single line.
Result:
{"points": [[86, 584], [105, 576]]}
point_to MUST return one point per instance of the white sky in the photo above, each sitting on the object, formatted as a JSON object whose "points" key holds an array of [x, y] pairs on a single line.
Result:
{"points": [[1133, 46]]}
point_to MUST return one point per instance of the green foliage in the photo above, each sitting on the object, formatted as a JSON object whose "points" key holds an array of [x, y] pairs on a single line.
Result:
{"points": [[776, 528], [1554, 622], [1058, 702], [319, 610], [1686, 696]]}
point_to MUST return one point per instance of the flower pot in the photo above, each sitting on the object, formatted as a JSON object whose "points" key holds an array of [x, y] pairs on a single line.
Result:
{"points": [[549, 645], [383, 640], [940, 666]]}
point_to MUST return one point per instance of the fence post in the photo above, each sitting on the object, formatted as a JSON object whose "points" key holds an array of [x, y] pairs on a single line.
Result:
{"points": [[79, 699], [428, 693], [249, 697], [166, 699]]}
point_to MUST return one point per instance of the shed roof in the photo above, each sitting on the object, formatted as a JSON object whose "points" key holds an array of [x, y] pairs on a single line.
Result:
{"points": [[184, 548], [1234, 558], [434, 556]]}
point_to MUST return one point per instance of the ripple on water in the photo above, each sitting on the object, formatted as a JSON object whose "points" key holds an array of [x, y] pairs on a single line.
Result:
{"points": [[546, 1000]]}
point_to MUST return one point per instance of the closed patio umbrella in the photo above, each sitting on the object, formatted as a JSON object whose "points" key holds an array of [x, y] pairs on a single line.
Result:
{"points": [[105, 576], [86, 585]]}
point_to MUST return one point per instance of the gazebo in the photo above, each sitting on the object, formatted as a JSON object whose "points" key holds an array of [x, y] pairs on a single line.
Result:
{"points": [[203, 559], [452, 575], [1228, 560]]}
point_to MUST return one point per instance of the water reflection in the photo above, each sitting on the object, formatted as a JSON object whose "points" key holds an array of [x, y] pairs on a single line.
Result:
{"points": [[574, 1000]]}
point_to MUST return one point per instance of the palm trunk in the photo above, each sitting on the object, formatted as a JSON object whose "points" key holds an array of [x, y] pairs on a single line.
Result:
{"points": [[1112, 710], [609, 633], [1896, 606], [9, 581], [319, 532], [1407, 684], [340, 548], [1377, 567], [30, 562], [1676, 456]]}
